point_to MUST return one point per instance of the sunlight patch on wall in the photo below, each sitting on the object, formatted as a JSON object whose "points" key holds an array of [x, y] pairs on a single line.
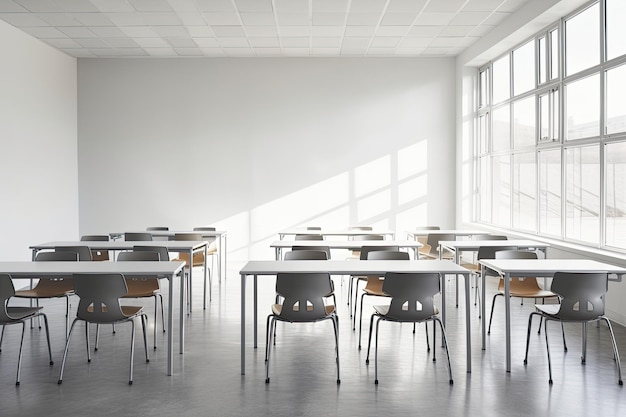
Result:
{"points": [[372, 176], [373, 206], [413, 160], [412, 190]]}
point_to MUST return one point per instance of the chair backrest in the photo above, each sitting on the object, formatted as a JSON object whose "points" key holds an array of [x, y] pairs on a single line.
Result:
{"points": [[489, 252], [94, 238], [100, 297], [303, 295], [205, 229], [137, 236], [138, 256], [324, 249], [84, 253], [433, 240], [366, 250], [7, 290], [164, 255], [428, 228], [308, 237], [56, 256], [388, 255], [487, 236], [360, 228], [158, 228], [97, 255], [306, 255], [367, 237], [187, 236], [582, 294], [516, 254], [313, 228], [412, 295]]}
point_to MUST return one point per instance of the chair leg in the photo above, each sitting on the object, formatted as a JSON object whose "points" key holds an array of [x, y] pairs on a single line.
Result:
{"points": [[545, 331], [132, 350], [87, 339], [45, 322], [267, 335], [144, 321], [530, 322], [155, 321], [563, 333], [270, 330], [335, 321], [95, 349], [356, 295], [427, 338], [2, 337], [369, 340], [67, 346], [360, 319], [19, 357], [615, 352], [435, 343], [493, 304], [376, 354], [445, 339], [583, 358]]}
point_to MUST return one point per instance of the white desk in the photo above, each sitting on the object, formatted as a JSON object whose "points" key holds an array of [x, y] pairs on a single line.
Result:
{"points": [[336, 232], [460, 246], [188, 246], [164, 270], [508, 268], [220, 236], [351, 267], [279, 245]]}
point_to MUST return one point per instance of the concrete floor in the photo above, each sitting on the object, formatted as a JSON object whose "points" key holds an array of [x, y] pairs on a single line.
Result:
{"points": [[207, 380]]}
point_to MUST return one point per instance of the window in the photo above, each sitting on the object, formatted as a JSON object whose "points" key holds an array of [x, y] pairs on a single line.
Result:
{"points": [[483, 98], [524, 68], [551, 146], [583, 108], [616, 194], [550, 192], [582, 205], [582, 40], [615, 28], [616, 100]]}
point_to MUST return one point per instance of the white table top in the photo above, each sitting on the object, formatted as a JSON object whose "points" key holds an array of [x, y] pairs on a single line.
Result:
{"points": [[346, 244], [336, 232], [547, 267], [29, 269], [456, 232], [477, 244], [170, 233], [351, 267], [171, 245]]}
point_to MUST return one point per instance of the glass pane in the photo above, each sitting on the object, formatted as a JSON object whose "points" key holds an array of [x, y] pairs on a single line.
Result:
{"points": [[485, 200], [542, 59], [550, 192], [524, 191], [583, 108], [501, 79], [484, 83], [582, 40], [582, 194], [616, 100], [554, 54], [501, 190], [524, 122], [501, 135], [482, 133], [615, 28], [524, 68], [555, 114], [616, 195], [544, 117]]}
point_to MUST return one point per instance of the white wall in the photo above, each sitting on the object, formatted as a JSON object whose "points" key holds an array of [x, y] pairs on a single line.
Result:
{"points": [[38, 136], [257, 145]]}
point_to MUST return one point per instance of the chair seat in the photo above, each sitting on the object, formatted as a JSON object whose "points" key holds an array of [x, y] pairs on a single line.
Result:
{"points": [[48, 289], [525, 288], [198, 259], [384, 310], [277, 309], [141, 288], [19, 313], [128, 311], [548, 309]]}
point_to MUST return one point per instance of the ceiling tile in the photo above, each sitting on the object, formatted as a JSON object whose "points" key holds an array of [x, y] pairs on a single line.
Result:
{"points": [[360, 31], [78, 32], [327, 31], [425, 31], [257, 19], [206, 42], [264, 42], [189, 51], [216, 6], [469, 18], [171, 31], [182, 42], [10, 6], [398, 19], [117, 6], [200, 32], [261, 31], [152, 43], [191, 18], [329, 5], [139, 32], [294, 42], [121, 42], [496, 18], [296, 31], [385, 42], [222, 19], [301, 6], [444, 6], [63, 43], [161, 52], [326, 42], [151, 5], [296, 52], [183, 5], [401, 6], [392, 30], [234, 42], [45, 32], [229, 31], [293, 19], [367, 6], [329, 19], [254, 5], [108, 32], [482, 5], [359, 19], [39, 6], [93, 19], [430, 19], [457, 30]]}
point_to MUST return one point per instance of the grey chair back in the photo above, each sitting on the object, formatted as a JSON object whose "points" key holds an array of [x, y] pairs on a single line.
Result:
{"points": [[516, 254], [84, 253], [581, 295], [164, 255], [306, 255], [408, 291], [303, 295], [388, 255], [138, 256], [137, 236], [56, 256], [367, 237], [366, 250], [308, 237], [94, 238], [205, 229], [188, 236], [488, 236], [7, 290], [100, 297], [97, 255], [158, 228]]}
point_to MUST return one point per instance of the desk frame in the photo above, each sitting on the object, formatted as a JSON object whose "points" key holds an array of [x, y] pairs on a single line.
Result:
{"points": [[508, 268], [279, 245]]}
